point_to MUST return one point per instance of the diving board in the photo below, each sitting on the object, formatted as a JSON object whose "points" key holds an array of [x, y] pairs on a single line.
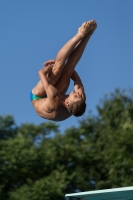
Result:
{"points": [[123, 193]]}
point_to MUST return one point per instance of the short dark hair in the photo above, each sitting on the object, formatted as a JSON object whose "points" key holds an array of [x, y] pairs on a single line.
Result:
{"points": [[77, 108]]}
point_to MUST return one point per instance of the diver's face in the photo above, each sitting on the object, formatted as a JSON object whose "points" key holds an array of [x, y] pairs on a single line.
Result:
{"points": [[73, 97]]}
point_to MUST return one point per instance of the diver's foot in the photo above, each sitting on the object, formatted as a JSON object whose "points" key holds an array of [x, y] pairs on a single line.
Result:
{"points": [[94, 26], [86, 27]]}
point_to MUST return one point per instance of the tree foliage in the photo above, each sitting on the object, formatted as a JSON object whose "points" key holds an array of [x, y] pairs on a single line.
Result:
{"points": [[38, 162]]}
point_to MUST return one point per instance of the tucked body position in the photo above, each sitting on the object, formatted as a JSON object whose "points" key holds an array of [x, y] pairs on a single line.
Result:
{"points": [[49, 96]]}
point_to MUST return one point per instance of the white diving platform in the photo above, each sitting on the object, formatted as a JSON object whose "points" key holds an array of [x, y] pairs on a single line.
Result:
{"points": [[123, 193]]}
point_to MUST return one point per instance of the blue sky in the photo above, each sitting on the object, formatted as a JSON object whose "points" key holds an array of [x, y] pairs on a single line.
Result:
{"points": [[32, 32]]}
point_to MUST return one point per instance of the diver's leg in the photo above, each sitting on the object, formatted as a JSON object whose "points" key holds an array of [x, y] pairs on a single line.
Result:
{"points": [[67, 49], [63, 82], [78, 51]]}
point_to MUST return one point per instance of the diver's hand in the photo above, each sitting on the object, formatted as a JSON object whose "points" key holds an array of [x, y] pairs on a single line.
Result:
{"points": [[81, 93], [49, 62]]}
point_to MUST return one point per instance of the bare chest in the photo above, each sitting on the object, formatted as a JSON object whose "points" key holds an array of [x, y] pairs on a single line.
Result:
{"points": [[51, 110]]}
